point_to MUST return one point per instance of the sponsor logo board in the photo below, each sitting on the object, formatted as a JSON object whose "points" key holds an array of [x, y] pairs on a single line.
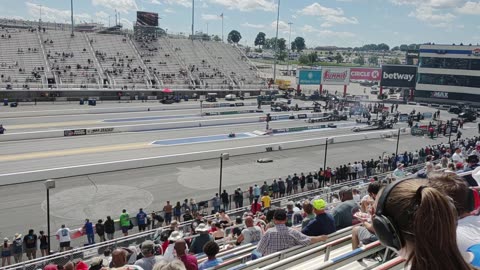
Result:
{"points": [[74, 132], [365, 74], [310, 77], [335, 76], [399, 76], [443, 95]]}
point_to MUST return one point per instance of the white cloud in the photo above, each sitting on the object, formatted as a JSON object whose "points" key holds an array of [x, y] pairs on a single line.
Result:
{"points": [[156, 2], [169, 10], [184, 3], [246, 5], [54, 15], [470, 8], [316, 9], [124, 6], [430, 3], [255, 26], [431, 16], [282, 26], [126, 23], [330, 16], [211, 17], [326, 33]]}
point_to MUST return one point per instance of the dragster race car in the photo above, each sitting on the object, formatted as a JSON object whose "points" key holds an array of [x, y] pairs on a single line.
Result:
{"points": [[375, 125]]}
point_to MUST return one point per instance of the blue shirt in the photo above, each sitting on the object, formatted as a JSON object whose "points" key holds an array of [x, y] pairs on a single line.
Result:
{"points": [[141, 218], [88, 228], [475, 250], [323, 224], [209, 264]]}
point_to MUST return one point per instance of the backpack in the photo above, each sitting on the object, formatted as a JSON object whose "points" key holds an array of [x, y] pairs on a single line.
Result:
{"points": [[17, 246]]}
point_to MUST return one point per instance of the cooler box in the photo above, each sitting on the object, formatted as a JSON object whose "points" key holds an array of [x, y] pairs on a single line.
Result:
{"points": [[5, 102]]}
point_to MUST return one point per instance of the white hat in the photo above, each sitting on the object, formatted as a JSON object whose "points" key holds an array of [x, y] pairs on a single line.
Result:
{"points": [[476, 175], [202, 228], [176, 235]]}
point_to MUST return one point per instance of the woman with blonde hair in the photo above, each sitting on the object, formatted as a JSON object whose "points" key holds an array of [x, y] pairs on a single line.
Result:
{"points": [[420, 223]]}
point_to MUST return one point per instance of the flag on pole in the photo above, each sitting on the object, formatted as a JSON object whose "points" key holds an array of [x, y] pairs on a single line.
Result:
{"points": [[221, 15]]}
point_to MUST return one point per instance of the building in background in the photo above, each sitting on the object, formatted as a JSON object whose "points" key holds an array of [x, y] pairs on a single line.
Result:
{"points": [[449, 74]]}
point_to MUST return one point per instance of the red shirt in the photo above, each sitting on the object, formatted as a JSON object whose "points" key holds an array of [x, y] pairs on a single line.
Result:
{"points": [[256, 207], [189, 261]]}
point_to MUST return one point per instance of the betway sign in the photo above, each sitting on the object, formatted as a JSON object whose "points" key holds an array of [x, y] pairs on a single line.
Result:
{"points": [[335, 76], [399, 76], [365, 74]]}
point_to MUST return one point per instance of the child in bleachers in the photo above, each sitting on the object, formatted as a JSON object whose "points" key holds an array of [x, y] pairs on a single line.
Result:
{"points": [[420, 223]]}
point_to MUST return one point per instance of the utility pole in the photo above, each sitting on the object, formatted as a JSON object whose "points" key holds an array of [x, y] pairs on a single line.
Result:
{"points": [[290, 46], [276, 45]]}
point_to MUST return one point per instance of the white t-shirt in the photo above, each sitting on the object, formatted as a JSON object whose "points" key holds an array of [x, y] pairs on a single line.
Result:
{"points": [[468, 234], [64, 235], [251, 234], [457, 157]]}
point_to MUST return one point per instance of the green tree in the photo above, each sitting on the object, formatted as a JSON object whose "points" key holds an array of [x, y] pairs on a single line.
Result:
{"points": [[338, 58], [299, 44], [260, 39], [373, 60], [308, 59], [216, 38], [403, 47], [360, 60], [394, 61], [396, 48], [293, 46], [234, 37], [282, 44], [282, 55], [383, 47]]}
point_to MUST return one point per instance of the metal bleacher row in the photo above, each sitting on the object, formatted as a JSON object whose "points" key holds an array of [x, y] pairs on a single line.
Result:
{"points": [[335, 253], [32, 59]]}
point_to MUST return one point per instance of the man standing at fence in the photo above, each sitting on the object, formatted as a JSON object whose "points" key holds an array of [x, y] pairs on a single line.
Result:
{"points": [[125, 222], [63, 235], [168, 210], [141, 220]]}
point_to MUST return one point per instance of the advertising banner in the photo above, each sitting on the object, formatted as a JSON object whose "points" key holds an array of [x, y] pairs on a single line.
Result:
{"points": [[335, 76], [310, 77], [74, 132], [95, 131], [365, 74], [399, 76]]}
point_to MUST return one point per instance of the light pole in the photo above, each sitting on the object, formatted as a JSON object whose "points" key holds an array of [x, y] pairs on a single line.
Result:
{"points": [[193, 17], [49, 184], [290, 50], [71, 15], [223, 156], [398, 142], [276, 45], [325, 158], [201, 108]]}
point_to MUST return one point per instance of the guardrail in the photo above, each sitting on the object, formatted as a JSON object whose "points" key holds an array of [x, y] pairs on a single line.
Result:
{"points": [[135, 239]]}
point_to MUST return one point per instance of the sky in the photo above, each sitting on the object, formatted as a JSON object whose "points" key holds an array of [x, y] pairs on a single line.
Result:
{"points": [[343, 23]]}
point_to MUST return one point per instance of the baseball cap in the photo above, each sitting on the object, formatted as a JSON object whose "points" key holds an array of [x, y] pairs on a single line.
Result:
{"points": [[319, 204]]}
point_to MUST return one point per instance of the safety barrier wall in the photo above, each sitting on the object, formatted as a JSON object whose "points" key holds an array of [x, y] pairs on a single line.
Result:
{"points": [[134, 108], [145, 127], [30, 176]]}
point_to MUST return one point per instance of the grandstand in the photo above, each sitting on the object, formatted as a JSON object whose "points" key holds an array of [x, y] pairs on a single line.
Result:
{"points": [[22, 63], [53, 59]]}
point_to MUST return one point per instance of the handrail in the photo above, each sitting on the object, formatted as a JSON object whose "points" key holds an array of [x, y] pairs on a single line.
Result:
{"points": [[397, 263], [150, 233]]}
